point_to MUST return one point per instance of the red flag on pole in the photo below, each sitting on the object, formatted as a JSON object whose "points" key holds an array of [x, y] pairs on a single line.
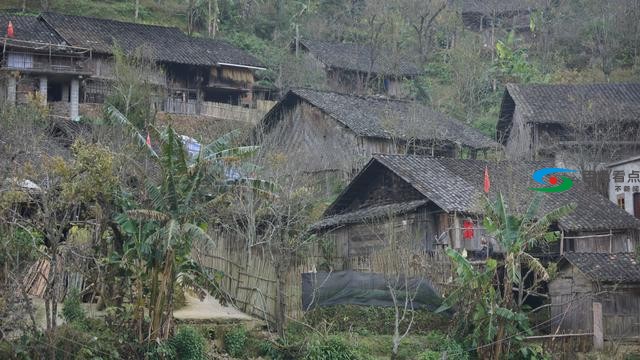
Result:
{"points": [[487, 182], [10, 32], [148, 140]]}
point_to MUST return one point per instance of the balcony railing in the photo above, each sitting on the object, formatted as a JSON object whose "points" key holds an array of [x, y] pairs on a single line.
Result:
{"points": [[30, 62]]}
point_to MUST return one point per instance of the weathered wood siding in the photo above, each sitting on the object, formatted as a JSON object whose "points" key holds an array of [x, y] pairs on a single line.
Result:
{"points": [[520, 142], [571, 296], [315, 142], [619, 241], [620, 312], [360, 240], [381, 188]]}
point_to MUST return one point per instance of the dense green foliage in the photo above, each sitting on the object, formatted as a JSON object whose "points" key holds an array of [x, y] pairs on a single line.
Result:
{"points": [[72, 311], [366, 320], [235, 341], [188, 344]]}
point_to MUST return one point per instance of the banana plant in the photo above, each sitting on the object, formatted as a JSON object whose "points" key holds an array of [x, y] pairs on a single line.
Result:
{"points": [[484, 296], [176, 211]]}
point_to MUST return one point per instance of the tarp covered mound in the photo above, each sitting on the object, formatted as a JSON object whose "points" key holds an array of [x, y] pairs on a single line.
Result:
{"points": [[365, 288]]}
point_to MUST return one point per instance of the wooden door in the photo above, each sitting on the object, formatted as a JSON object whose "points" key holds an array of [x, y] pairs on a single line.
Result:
{"points": [[636, 205]]}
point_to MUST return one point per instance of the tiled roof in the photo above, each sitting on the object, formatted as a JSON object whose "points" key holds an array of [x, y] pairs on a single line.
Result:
{"points": [[358, 57], [29, 28], [563, 103], [160, 43], [386, 118], [368, 214], [608, 268], [221, 51], [457, 185]]}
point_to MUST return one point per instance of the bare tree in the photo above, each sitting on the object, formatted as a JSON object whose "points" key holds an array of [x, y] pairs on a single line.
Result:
{"points": [[599, 133], [421, 16], [403, 271], [274, 225]]}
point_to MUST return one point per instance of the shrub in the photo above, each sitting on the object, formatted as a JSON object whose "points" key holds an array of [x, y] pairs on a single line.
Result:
{"points": [[235, 341], [188, 344], [439, 344], [332, 348], [163, 350], [72, 312], [430, 355], [367, 320]]}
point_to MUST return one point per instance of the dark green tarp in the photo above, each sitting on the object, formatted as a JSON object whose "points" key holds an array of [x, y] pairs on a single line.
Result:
{"points": [[364, 288]]}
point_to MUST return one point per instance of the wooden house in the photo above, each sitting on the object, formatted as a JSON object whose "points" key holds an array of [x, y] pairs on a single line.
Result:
{"points": [[358, 68], [36, 59], [195, 76], [491, 18], [553, 121], [325, 131], [437, 203], [611, 282]]}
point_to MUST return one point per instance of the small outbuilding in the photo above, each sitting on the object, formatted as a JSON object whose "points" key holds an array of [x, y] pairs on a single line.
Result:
{"points": [[597, 289]]}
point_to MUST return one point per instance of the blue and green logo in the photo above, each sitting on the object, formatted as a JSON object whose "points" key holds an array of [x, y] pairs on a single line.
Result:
{"points": [[554, 181]]}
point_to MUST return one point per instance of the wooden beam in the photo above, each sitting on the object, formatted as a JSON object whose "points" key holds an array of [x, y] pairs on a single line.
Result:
{"points": [[598, 336]]}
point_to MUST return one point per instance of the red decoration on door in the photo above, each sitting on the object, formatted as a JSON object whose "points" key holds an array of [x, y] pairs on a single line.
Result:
{"points": [[467, 229]]}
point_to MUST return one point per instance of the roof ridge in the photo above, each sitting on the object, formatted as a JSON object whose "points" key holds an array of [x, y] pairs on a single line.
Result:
{"points": [[622, 83], [360, 96], [113, 20]]}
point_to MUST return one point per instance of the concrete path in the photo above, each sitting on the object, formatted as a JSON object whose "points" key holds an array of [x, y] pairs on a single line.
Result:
{"points": [[208, 309]]}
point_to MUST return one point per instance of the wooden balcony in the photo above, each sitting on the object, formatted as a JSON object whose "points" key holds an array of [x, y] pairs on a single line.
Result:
{"points": [[35, 63]]}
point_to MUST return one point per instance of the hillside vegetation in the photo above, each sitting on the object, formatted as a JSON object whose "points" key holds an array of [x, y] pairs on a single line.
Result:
{"points": [[570, 42]]}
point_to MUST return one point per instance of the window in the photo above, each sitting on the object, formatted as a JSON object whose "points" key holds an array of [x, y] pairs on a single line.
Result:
{"points": [[620, 201], [20, 61]]}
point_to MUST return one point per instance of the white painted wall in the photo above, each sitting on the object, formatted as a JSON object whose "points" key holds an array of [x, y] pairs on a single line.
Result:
{"points": [[628, 195]]}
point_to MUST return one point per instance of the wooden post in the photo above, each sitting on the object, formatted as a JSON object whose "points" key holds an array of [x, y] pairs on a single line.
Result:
{"points": [[598, 338], [610, 241], [561, 242]]}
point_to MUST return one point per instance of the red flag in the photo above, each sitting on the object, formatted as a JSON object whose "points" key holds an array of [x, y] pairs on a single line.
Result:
{"points": [[487, 182], [148, 140], [10, 32]]}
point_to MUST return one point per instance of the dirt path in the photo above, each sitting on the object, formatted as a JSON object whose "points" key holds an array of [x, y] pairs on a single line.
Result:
{"points": [[208, 309]]}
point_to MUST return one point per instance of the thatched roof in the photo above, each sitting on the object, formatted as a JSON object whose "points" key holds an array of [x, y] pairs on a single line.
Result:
{"points": [[384, 118], [456, 185], [607, 268], [359, 58]]}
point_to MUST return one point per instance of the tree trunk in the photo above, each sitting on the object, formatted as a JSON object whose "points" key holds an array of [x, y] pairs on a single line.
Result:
{"points": [[281, 303], [212, 21], [137, 9]]}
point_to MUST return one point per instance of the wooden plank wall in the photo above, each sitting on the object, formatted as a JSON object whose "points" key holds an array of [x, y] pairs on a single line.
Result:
{"points": [[621, 313], [571, 294]]}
